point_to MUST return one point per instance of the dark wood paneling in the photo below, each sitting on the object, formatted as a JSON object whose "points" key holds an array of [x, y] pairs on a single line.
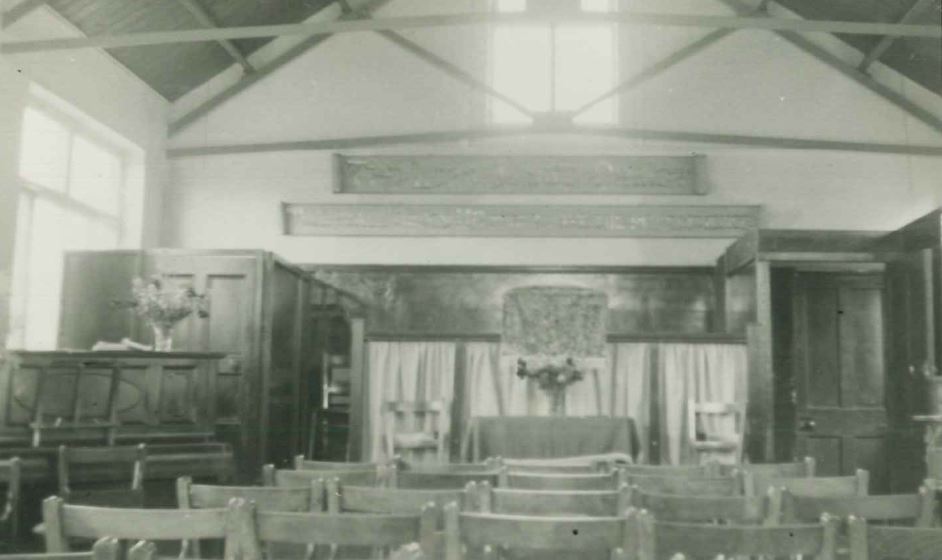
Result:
{"points": [[470, 303]]}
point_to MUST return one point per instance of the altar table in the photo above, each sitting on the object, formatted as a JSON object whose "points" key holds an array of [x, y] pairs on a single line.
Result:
{"points": [[529, 437]]}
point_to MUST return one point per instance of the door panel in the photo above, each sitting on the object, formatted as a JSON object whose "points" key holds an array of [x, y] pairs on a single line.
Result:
{"points": [[840, 372]]}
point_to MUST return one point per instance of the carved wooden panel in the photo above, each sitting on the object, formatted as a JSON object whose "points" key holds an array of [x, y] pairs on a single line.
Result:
{"points": [[480, 220], [519, 174]]}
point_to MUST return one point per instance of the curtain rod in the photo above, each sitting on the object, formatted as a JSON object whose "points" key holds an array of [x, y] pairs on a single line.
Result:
{"points": [[719, 338]]}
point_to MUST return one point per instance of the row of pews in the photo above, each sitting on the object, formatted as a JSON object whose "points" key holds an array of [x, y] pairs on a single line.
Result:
{"points": [[599, 509]]}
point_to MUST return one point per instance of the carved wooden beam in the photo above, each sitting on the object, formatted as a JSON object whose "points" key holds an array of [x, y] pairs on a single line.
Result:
{"points": [[518, 220]]}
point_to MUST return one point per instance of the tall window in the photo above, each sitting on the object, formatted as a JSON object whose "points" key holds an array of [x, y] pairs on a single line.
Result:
{"points": [[554, 68], [75, 189]]}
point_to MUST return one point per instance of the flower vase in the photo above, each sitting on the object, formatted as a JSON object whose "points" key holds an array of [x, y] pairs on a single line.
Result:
{"points": [[558, 402], [163, 338]]}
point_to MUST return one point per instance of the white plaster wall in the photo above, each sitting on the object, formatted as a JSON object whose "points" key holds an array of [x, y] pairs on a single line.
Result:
{"points": [[749, 83]]}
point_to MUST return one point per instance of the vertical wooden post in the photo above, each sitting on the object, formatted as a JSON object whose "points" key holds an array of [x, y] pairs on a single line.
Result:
{"points": [[654, 412], [759, 415], [718, 323], [358, 446], [459, 409]]}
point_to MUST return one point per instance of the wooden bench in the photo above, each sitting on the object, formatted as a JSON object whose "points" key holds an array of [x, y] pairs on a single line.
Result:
{"points": [[302, 478], [871, 542], [742, 510], [484, 498], [560, 481], [914, 509], [111, 476], [104, 549]]}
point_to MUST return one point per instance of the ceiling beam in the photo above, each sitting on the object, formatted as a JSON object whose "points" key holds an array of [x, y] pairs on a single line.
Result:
{"points": [[452, 70], [448, 20], [918, 7], [202, 17], [19, 11], [248, 80], [836, 63], [764, 142]]}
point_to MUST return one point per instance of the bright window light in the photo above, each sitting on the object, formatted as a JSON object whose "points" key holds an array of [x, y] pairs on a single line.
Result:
{"points": [[553, 68], [44, 150]]}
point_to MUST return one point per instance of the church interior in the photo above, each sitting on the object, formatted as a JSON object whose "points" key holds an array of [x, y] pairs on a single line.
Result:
{"points": [[426, 279]]}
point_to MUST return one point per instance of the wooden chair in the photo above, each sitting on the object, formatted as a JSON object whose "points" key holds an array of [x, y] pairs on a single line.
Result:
{"points": [[107, 476], [874, 542], [723, 449], [491, 464], [266, 498], [574, 536], [369, 499], [484, 498], [560, 481], [604, 462], [807, 467], [912, 509], [855, 485], [302, 478], [11, 476], [665, 539], [414, 427], [430, 480], [252, 528], [707, 469], [740, 510], [104, 549], [67, 521], [687, 485], [200, 460]]}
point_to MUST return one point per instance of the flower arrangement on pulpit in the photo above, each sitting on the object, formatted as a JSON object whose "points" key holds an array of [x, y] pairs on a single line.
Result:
{"points": [[162, 307], [555, 334]]}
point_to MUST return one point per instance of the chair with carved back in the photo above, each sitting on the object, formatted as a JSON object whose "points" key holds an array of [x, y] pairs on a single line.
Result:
{"points": [[467, 533], [361, 476], [417, 430], [731, 485], [917, 510], [105, 548], [106, 476], [11, 480], [876, 542], [560, 481], [252, 528], [64, 522], [484, 498], [723, 448], [687, 508], [663, 540], [266, 498]]}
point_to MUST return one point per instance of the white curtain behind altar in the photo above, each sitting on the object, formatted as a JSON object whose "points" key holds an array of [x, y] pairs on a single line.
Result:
{"points": [[426, 371], [406, 371], [698, 371]]}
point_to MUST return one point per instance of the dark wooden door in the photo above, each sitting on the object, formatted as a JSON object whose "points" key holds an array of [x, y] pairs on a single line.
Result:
{"points": [[840, 373]]}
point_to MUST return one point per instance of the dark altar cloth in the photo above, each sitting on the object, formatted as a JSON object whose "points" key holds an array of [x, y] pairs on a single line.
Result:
{"points": [[532, 437]]}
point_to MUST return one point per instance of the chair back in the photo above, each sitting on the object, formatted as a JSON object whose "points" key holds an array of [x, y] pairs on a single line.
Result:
{"points": [[201, 460], [431, 480], [106, 476], [875, 542], [105, 548], [489, 465], [742, 510], [797, 469], [707, 469], [255, 528], [688, 485], [302, 478], [913, 509], [371, 499], [855, 485], [63, 521], [576, 535], [266, 498], [417, 429], [593, 503], [11, 476], [704, 420], [302, 464], [559, 481], [664, 539]]}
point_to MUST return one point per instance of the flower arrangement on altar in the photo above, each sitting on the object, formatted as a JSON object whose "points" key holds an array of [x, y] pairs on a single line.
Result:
{"points": [[551, 378], [163, 307]]}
